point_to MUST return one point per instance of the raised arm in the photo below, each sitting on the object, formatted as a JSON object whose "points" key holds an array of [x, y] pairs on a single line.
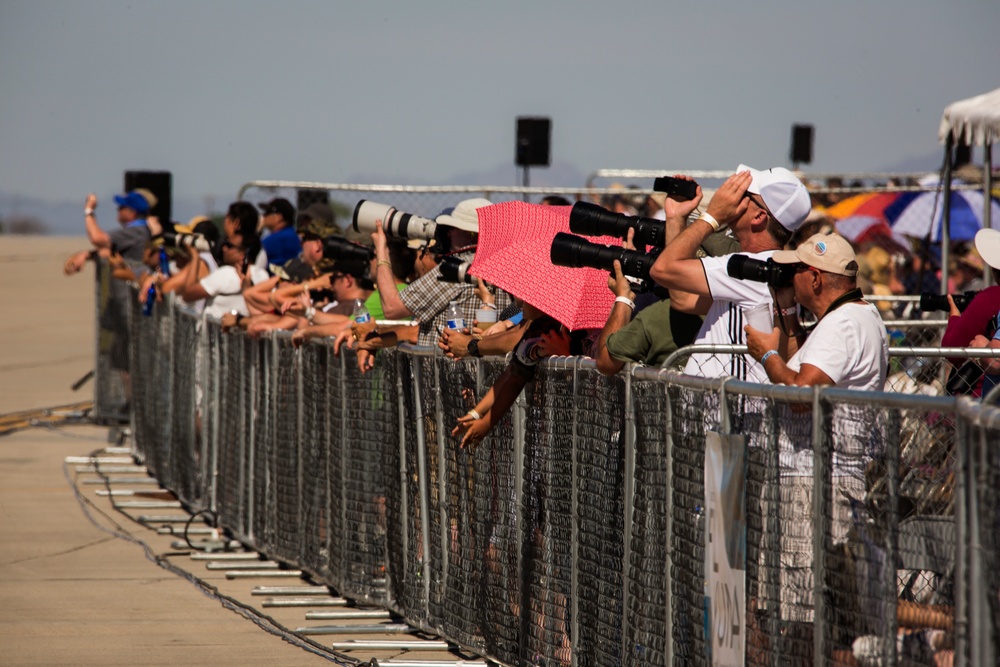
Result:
{"points": [[392, 306]]}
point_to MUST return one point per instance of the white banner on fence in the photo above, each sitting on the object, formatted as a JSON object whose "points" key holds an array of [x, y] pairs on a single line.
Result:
{"points": [[726, 547]]}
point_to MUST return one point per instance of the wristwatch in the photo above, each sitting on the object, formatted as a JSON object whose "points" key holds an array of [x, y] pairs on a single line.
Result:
{"points": [[473, 348]]}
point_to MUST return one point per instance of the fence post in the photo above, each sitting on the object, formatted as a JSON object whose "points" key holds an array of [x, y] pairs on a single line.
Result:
{"points": [[299, 354], [891, 457], [342, 565], [404, 513], [628, 500], [423, 488], [442, 479], [668, 452], [575, 526], [248, 452], [963, 582], [822, 515]]}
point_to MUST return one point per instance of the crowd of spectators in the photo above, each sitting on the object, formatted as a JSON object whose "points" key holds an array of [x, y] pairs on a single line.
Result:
{"points": [[267, 268]]}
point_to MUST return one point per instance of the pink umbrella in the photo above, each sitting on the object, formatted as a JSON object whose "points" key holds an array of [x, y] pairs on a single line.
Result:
{"points": [[515, 240]]}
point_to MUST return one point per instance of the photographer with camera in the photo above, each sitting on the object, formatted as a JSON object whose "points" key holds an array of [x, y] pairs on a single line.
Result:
{"points": [[426, 299], [848, 347], [762, 209], [222, 289], [975, 325]]}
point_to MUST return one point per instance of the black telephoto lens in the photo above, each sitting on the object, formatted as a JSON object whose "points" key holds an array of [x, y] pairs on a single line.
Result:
{"points": [[770, 272], [592, 220], [929, 301], [575, 252], [340, 249]]}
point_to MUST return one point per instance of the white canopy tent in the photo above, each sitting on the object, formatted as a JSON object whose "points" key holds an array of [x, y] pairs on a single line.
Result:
{"points": [[974, 122]]}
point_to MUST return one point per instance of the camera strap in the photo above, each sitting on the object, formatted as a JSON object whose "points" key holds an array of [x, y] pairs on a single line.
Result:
{"points": [[847, 297]]}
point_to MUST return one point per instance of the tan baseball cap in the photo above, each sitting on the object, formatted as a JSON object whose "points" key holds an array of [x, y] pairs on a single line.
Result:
{"points": [[827, 252]]}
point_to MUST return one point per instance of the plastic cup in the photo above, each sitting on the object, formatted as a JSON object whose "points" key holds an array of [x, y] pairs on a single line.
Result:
{"points": [[759, 317], [486, 315]]}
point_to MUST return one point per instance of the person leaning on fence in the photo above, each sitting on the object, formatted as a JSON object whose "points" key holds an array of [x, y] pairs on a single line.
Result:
{"points": [[977, 325], [848, 348], [653, 332], [222, 289], [282, 242], [762, 209], [427, 298], [128, 244]]}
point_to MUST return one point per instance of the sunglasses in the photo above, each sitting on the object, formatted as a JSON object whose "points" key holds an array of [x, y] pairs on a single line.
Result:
{"points": [[228, 244], [760, 204]]}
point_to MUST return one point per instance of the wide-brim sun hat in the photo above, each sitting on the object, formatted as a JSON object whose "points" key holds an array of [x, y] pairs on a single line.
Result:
{"points": [[988, 246], [464, 216]]}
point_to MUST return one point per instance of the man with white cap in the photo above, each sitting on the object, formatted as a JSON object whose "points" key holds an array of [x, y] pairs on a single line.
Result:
{"points": [[761, 209], [426, 299]]}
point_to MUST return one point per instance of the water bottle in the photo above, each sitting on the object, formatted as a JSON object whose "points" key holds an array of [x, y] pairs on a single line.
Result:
{"points": [[147, 307], [164, 262], [361, 314], [454, 316]]}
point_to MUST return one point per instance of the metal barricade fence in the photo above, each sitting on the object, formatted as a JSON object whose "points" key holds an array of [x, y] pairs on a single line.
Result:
{"points": [[578, 532], [111, 354]]}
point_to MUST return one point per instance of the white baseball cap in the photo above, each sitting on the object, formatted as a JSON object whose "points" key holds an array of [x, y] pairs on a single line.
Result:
{"points": [[783, 193]]}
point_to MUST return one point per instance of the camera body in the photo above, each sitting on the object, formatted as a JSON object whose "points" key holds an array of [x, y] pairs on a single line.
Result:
{"points": [[592, 220], [775, 275], [676, 188], [395, 223], [929, 301], [179, 240], [340, 249], [575, 252], [455, 270]]}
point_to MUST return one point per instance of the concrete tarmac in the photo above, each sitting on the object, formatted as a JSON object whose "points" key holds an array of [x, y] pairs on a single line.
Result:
{"points": [[71, 591]]}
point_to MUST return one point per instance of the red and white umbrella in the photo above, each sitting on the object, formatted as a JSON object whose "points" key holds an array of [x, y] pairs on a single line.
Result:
{"points": [[515, 240]]}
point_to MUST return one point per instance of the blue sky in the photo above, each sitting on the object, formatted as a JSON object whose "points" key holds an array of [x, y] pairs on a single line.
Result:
{"points": [[221, 93]]}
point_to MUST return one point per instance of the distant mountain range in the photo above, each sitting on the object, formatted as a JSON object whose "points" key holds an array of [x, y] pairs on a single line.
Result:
{"points": [[65, 218]]}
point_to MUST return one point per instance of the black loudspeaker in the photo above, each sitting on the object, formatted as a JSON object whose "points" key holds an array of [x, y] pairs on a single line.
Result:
{"points": [[802, 144], [306, 197], [532, 147], [160, 183]]}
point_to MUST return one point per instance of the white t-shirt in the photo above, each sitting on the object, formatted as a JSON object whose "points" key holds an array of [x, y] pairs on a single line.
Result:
{"points": [[724, 323], [225, 290], [850, 345]]}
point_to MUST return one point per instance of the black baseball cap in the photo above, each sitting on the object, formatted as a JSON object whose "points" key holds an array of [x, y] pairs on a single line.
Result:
{"points": [[280, 206]]}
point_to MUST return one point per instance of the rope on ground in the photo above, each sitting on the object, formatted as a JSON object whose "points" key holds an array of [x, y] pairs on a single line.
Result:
{"points": [[63, 415], [261, 620]]}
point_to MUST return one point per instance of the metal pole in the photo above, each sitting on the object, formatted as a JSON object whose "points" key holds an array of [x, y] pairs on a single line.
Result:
{"points": [[574, 543], [442, 475], [424, 499], [342, 566], [248, 448], [945, 218], [404, 514], [301, 444], [628, 497], [891, 458], [822, 524], [963, 583], [668, 452], [988, 276]]}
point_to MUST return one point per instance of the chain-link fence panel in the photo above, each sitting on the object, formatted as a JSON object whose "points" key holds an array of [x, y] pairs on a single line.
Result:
{"points": [[317, 443], [578, 531], [371, 427], [112, 402], [285, 448], [185, 427], [645, 624]]}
